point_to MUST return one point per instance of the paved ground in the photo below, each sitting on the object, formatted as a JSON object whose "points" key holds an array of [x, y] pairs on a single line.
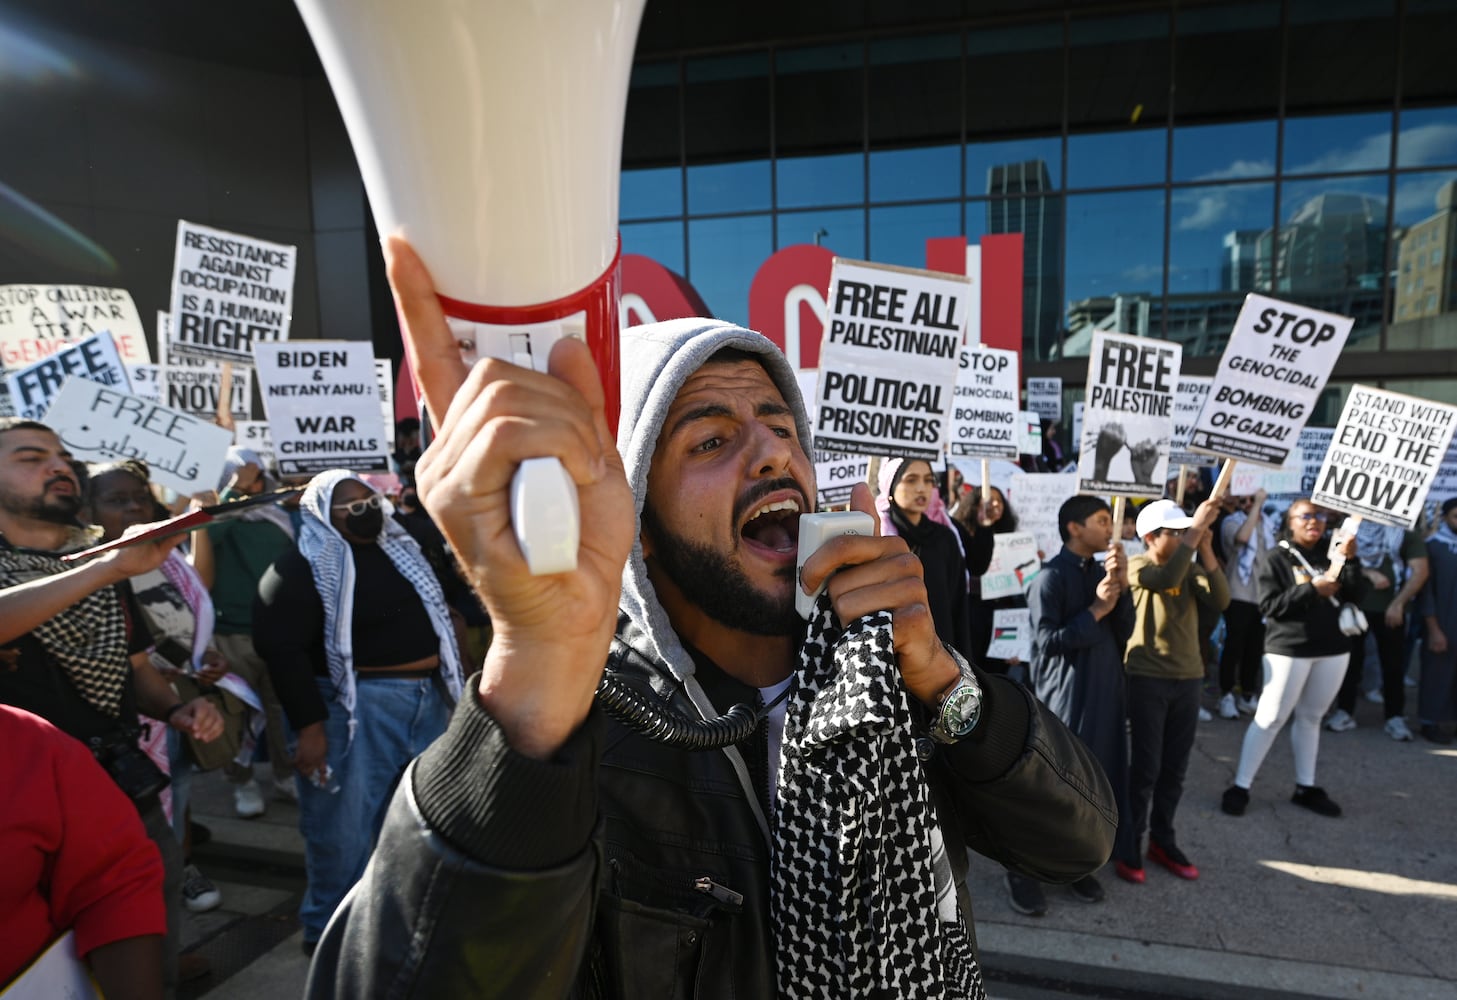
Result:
{"points": [[1288, 903]]}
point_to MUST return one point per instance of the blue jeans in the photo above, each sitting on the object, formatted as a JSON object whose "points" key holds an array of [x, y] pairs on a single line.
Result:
{"points": [[395, 719]]}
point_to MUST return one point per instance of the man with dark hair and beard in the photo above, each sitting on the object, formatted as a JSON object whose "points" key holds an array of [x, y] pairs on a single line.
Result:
{"points": [[541, 848], [75, 641]]}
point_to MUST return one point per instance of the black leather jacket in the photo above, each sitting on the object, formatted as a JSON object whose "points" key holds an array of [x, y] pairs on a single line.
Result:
{"points": [[646, 874]]}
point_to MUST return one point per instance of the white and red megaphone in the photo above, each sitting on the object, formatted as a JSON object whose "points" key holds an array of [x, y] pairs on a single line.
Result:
{"points": [[489, 134]]}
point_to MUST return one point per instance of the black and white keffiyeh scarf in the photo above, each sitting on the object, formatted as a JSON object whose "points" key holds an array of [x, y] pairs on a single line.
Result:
{"points": [[862, 894], [88, 639]]}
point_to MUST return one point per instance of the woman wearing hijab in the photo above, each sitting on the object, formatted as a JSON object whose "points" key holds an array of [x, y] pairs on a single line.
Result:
{"points": [[361, 647], [910, 506]]}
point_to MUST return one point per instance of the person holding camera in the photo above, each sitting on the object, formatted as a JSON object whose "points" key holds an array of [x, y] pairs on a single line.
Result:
{"points": [[76, 641], [1306, 651]]}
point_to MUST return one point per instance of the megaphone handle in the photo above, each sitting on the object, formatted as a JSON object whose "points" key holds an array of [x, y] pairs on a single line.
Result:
{"points": [[545, 517]]}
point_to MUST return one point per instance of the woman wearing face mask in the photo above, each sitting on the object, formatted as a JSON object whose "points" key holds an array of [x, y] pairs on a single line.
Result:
{"points": [[1305, 652], [362, 651], [910, 506]]}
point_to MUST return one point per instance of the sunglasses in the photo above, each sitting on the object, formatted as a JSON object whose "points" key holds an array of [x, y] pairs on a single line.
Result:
{"points": [[1308, 517], [357, 507]]}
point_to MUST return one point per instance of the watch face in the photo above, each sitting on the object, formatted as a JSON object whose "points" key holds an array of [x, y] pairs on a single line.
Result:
{"points": [[961, 710]]}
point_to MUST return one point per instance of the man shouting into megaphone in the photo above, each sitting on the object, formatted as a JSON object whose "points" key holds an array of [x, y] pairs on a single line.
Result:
{"points": [[541, 848]]}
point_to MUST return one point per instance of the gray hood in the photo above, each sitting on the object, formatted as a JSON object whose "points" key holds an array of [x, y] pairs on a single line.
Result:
{"points": [[656, 360]]}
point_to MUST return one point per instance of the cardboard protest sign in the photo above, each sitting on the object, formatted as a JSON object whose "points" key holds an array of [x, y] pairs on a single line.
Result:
{"points": [[1036, 497], [1011, 635], [146, 381], [229, 293], [889, 359], [32, 388], [1044, 398], [193, 385], [1189, 397], [1386, 451], [100, 424], [1273, 370], [1284, 481], [984, 420], [1013, 567], [323, 406], [254, 434], [1029, 433], [837, 474], [1129, 417]]}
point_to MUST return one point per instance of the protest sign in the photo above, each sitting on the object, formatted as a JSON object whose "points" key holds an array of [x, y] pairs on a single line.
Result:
{"points": [[193, 385], [1189, 397], [1285, 481], [32, 388], [97, 423], [1011, 635], [1013, 567], [1444, 485], [837, 474], [36, 321], [1036, 497], [1044, 398], [384, 379], [229, 293], [1269, 379], [254, 434], [323, 406], [889, 359], [146, 381], [1129, 417], [1386, 451], [1029, 433], [1078, 408], [984, 419]]}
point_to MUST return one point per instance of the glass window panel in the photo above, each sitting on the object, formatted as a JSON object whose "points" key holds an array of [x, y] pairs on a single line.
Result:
{"points": [[724, 255], [1224, 152], [819, 99], [985, 163], [1206, 85], [915, 90], [840, 230], [726, 107], [820, 180], [1336, 143], [898, 235], [1330, 251], [662, 241], [1424, 299], [1214, 231], [1115, 159], [1115, 264], [649, 193], [1340, 52], [904, 174], [1426, 60], [1014, 80], [1443, 390], [650, 134], [1118, 70], [728, 187], [1428, 137], [1040, 221]]}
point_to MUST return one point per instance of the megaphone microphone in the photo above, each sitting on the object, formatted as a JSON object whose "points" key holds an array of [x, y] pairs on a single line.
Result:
{"points": [[489, 134]]}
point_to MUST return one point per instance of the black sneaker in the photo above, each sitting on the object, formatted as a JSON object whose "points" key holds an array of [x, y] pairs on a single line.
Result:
{"points": [[1234, 801], [1315, 799], [1025, 895], [1087, 890]]}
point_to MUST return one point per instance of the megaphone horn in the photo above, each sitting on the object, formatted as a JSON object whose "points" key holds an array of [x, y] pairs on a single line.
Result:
{"points": [[489, 134]]}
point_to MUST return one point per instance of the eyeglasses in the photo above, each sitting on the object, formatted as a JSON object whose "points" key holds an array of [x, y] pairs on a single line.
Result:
{"points": [[356, 507], [1309, 516]]}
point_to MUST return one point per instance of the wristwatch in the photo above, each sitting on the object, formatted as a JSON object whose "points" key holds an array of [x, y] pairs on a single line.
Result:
{"points": [[958, 708]]}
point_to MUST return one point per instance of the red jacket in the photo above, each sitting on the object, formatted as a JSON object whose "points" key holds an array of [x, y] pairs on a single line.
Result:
{"points": [[75, 854]]}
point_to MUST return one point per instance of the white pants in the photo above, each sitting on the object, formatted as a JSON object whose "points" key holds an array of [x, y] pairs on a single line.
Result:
{"points": [[1304, 685]]}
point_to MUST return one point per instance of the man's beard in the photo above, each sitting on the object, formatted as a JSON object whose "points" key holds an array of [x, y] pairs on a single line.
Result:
{"points": [[53, 510], [711, 582]]}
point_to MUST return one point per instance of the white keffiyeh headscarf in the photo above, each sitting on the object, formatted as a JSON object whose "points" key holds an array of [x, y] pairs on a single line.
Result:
{"points": [[332, 561]]}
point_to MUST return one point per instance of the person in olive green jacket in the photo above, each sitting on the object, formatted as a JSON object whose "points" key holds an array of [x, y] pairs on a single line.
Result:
{"points": [[1169, 582]]}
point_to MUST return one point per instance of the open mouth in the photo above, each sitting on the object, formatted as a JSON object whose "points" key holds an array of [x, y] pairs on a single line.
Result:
{"points": [[774, 526]]}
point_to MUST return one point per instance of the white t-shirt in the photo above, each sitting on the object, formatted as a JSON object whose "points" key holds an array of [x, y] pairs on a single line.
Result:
{"points": [[775, 721]]}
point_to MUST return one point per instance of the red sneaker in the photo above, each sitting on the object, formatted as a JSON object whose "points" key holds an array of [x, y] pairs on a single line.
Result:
{"points": [[1128, 873], [1173, 859]]}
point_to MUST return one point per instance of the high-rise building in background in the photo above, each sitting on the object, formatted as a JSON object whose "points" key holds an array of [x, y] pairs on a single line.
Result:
{"points": [[1237, 260], [1426, 273], [1023, 201]]}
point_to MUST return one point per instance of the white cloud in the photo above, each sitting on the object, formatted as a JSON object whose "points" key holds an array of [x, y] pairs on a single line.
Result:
{"points": [[1240, 170]]}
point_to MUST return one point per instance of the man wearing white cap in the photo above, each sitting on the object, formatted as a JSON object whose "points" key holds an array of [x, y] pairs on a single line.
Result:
{"points": [[1165, 670]]}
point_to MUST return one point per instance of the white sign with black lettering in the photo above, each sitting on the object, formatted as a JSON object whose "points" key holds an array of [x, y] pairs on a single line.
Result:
{"points": [[1044, 398], [1011, 635], [889, 359], [146, 381], [837, 474], [322, 401], [1273, 370], [229, 293], [1029, 433], [984, 420], [1013, 567], [254, 434], [97, 423], [1386, 451], [385, 381], [95, 359], [36, 321], [1445, 483], [1189, 399], [1129, 417], [193, 385], [1037, 497]]}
